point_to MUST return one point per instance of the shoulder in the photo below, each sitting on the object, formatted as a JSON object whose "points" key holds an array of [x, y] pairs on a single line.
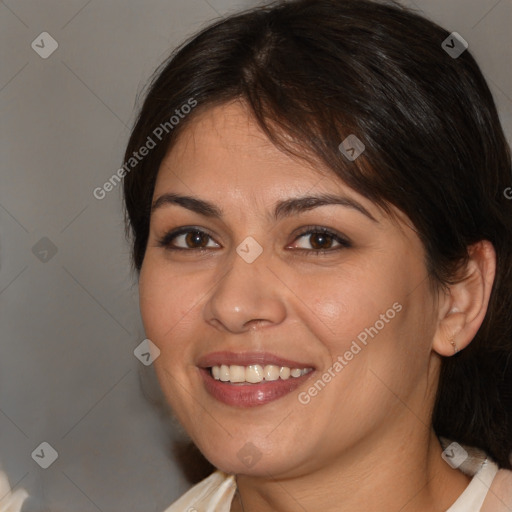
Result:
{"points": [[216, 490], [10, 501], [499, 497], [490, 489]]}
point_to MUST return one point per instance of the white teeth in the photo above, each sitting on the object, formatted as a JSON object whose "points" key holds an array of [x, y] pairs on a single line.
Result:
{"points": [[295, 372], [271, 372], [255, 373], [284, 372], [236, 373], [224, 373]]}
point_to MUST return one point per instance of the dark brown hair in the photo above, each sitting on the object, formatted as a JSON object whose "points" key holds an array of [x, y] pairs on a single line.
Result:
{"points": [[314, 71]]}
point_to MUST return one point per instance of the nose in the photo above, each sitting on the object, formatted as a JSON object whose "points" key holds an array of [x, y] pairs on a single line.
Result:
{"points": [[247, 296]]}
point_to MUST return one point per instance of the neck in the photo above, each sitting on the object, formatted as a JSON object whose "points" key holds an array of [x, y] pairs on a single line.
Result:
{"points": [[407, 474]]}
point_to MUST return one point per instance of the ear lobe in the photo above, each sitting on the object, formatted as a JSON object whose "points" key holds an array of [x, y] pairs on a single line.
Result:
{"points": [[466, 301], [446, 341]]}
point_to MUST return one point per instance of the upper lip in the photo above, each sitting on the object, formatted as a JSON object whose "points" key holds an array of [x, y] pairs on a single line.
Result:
{"points": [[248, 358]]}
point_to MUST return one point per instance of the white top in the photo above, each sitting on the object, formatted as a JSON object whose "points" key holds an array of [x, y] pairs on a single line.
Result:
{"points": [[215, 493], [10, 501]]}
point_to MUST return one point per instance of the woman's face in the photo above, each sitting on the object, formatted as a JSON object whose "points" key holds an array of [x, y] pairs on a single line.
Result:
{"points": [[361, 314]]}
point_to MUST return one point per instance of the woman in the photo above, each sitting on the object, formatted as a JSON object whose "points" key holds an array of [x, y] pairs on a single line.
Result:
{"points": [[324, 248]]}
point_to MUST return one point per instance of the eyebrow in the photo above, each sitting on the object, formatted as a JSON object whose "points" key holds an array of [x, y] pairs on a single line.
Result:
{"points": [[284, 208]]}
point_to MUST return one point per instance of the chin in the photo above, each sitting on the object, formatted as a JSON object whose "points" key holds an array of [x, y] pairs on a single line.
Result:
{"points": [[246, 458]]}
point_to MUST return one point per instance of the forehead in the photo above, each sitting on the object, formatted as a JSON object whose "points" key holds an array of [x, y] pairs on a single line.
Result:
{"points": [[224, 157], [227, 142], [225, 145]]}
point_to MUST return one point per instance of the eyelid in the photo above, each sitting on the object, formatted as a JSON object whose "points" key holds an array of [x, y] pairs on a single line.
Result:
{"points": [[342, 240], [165, 240]]}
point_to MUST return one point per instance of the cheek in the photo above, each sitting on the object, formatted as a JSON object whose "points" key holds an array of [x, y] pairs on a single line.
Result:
{"points": [[165, 299], [367, 319], [167, 302], [343, 306]]}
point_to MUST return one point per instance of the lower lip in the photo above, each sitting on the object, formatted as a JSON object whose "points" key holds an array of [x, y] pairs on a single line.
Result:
{"points": [[250, 395]]}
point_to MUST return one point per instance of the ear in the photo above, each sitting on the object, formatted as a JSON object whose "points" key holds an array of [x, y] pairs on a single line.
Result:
{"points": [[463, 307]]}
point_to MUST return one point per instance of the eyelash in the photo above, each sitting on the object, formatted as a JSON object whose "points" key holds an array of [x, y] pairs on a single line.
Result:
{"points": [[165, 241]]}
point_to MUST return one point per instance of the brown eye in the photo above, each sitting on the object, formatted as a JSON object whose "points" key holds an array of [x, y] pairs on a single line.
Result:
{"points": [[193, 238], [189, 239], [321, 241]]}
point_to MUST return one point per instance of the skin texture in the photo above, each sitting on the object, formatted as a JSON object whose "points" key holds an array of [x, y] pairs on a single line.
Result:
{"points": [[365, 441]]}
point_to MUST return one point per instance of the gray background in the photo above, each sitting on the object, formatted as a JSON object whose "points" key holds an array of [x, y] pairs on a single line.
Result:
{"points": [[70, 320]]}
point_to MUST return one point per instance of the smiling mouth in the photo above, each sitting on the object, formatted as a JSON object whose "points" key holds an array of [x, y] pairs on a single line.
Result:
{"points": [[249, 379], [251, 394], [255, 373]]}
